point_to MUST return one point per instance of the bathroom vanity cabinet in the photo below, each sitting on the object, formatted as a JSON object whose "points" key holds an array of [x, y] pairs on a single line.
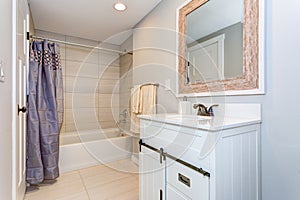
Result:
{"points": [[199, 159]]}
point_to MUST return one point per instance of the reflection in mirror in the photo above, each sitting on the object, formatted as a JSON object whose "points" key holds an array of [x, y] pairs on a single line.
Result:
{"points": [[220, 47], [214, 41]]}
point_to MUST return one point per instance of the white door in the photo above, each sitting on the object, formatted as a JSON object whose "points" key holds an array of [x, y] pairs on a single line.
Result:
{"points": [[205, 63], [207, 60], [152, 176], [19, 137]]}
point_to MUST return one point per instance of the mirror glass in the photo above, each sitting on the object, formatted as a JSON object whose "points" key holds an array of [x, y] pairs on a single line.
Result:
{"points": [[214, 41]]}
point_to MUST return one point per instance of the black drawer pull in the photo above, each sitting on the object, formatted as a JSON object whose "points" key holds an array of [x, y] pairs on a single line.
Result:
{"points": [[185, 180]]}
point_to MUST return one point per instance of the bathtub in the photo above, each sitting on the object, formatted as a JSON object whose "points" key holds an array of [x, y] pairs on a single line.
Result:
{"points": [[92, 147]]}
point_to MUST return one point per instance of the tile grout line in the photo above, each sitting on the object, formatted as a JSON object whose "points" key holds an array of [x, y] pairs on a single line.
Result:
{"points": [[82, 180]]}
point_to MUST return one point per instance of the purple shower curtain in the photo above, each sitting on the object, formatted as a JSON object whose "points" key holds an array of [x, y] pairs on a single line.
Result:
{"points": [[45, 112]]}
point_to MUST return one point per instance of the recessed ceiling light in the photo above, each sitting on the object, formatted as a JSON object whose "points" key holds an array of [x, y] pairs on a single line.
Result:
{"points": [[120, 6]]}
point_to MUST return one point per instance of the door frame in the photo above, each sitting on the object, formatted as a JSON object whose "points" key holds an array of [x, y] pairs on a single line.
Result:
{"points": [[14, 91]]}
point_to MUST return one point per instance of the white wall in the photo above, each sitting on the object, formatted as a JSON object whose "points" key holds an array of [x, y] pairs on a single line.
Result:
{"points": [[6, 101], [281, 115], [154, 57]]}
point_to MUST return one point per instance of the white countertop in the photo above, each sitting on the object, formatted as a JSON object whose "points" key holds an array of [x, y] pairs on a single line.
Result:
{"points": [[205, 123]]}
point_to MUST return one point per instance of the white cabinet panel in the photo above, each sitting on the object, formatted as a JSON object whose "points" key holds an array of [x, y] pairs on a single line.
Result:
{"points": [[174, 194], [237, 166], [152, 176]]}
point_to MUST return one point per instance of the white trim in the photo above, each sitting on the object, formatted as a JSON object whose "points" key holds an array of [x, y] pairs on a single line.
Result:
{"points": [[261, 61], [13, 92], [224, 93], [261, 46]]}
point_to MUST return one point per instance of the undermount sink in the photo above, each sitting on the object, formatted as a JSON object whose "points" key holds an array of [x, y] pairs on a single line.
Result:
{"points": [[188, 117]]}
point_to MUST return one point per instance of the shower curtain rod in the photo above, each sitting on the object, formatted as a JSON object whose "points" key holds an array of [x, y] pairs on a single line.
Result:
{"points": [[80, 45]]}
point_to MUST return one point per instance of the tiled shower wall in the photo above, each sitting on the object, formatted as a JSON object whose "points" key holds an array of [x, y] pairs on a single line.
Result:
{"points": [[90, 83], [126, 84]]}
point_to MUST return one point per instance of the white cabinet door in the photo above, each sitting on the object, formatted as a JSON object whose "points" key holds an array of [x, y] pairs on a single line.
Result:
{"points": [[152, 176], [173, 194], [189, 183]]}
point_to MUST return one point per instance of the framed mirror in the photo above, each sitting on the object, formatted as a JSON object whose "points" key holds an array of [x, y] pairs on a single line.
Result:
{"points": [[220, 47]]}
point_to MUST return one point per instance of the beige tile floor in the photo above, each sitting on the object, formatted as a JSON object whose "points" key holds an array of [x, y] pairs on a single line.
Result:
{"points": [[94, 183]]}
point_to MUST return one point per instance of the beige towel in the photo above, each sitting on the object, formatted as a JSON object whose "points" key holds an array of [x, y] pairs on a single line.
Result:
{"points": [[148, 100], [135, 109], [143, 101], [135, 99]]}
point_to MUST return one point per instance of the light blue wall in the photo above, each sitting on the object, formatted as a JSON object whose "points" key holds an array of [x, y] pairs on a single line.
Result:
{"points": [[281, 112]]}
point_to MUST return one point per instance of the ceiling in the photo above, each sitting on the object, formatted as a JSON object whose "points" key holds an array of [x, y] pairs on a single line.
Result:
{"points": [[90, 19]]}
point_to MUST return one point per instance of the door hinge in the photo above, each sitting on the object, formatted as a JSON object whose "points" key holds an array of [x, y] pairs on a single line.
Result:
{"points": [[28, 36]]}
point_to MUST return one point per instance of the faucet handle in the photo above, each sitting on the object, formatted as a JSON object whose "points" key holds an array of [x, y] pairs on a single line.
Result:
{"points": [[210, 109], [199, 105], [202, 110]]}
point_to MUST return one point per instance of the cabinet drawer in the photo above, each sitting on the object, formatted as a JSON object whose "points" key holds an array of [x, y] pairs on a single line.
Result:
{"points": [[173, 194], [187, 181]]}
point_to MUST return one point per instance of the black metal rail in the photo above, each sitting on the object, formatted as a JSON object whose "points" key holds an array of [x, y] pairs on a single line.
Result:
{"points": [[163, 155]]}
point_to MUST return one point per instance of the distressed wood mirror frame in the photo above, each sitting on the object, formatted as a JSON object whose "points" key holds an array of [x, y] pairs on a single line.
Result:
{"points": [[252, 80]]}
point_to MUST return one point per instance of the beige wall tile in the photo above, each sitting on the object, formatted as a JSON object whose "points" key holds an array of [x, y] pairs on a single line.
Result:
{"points": [[81, 84], [62, 51], [108, 73], [81, 54], [108, 58], [69, 119], [108, 100], [110, 124], [83, 115], [108, 86], [69, 139], [75, 68], [81, 100], [124, 100], [71, 128], [82, 126], [87, 126], [108, 114], [63, 67]]}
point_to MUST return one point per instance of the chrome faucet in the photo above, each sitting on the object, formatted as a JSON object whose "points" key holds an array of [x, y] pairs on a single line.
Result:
{"points": [[205, 111]]}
